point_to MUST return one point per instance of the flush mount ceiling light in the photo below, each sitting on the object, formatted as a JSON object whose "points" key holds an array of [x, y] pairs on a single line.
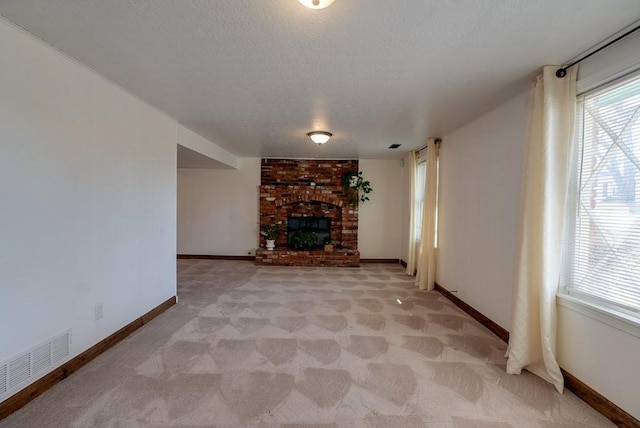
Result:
{"points": [[316, 4], [319, 137]]}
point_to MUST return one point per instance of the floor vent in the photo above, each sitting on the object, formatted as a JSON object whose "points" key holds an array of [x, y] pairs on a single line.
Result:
{"points": [[30, 365]]}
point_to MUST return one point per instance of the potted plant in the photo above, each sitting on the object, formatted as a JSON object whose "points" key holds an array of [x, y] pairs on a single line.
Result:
{"points": [[303, 239], [328, 245], [355, 187], [271, 232]]}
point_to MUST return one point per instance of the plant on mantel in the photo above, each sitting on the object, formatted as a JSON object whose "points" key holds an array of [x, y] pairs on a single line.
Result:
{"points": [[355, 187]]}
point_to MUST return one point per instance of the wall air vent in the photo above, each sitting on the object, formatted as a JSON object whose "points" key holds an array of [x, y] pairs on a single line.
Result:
{"points": [[3, 380], [395, 145], [19, 370], [28, 366]]}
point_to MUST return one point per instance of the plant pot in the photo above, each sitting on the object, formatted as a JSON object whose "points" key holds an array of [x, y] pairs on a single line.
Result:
{"points": [[271, 244]]}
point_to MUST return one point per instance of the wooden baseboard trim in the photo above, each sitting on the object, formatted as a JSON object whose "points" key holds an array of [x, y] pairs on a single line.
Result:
{"points": [[594, 399], [395, 261], [475, 314], [252, 258], [215, 257], [32, 391], [403, 263], [590, 396]]}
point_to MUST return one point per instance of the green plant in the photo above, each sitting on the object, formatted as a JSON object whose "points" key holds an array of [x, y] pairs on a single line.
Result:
{"points": [[355, 187], [302, 239], [273, 231]]}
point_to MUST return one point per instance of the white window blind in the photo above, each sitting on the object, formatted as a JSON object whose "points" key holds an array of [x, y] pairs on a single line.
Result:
{"points": [[605, 261]]}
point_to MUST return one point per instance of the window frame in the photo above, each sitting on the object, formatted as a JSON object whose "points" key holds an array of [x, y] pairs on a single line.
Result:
{"points": [[607, 311]]}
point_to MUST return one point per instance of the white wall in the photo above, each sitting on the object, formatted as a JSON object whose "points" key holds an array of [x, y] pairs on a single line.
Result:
{"points": [[380, 219], [218, 209], [480, 179], [601, 355], [480, 195], [87, 187]]}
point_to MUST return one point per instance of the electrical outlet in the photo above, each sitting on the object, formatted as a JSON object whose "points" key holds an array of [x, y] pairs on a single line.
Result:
{"points": [[98, 311]]}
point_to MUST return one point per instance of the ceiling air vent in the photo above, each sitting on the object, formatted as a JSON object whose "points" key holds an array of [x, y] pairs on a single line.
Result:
{"points": [[28, 366], [395, 145]]}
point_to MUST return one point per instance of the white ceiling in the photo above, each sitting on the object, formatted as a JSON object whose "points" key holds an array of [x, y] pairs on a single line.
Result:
{"points": [[254, 76]]}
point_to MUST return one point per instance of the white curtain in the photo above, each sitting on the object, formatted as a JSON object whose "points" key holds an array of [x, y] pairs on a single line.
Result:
{"points": [[550, 128], [411, 250], [426, 262]]}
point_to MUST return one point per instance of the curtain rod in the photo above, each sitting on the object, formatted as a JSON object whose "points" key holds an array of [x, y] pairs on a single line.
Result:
{"points": [[437, 141], [561, 72]]}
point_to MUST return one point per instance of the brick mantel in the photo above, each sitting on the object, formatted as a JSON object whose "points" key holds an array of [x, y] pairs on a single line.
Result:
{"points": [[309, 188]]}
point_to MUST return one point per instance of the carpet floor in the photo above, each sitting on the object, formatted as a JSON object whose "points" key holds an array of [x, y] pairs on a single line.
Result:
{"points": [[304, 347]]}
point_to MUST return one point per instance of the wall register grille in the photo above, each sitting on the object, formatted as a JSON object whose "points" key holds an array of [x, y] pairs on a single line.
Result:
{"points": [[30, 365]]}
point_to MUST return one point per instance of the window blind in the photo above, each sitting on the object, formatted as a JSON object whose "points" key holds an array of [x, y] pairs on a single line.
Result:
{"points": [[606, 245]]}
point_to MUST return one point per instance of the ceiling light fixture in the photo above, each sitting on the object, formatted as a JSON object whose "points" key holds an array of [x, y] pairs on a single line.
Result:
{"points": [[319, 137], [316, 4]]}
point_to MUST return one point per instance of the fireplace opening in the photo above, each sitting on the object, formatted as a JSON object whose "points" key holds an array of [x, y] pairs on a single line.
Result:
{"points": [[321, 226]]}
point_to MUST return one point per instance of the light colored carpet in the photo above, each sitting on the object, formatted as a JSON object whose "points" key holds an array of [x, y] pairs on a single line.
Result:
{"points": [[304, 347]]}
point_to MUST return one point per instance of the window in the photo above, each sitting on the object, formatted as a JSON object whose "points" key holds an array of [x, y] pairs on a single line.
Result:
{"points": [[418, 206], [421, 182], [605, 244]]}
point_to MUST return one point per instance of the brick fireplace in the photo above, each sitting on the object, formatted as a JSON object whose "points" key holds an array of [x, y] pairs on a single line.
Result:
{"points": [[295, 188]]}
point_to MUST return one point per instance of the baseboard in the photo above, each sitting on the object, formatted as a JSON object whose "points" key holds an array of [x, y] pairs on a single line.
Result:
{"points": [[251, 258], [608, 409], [394, 261], [475, 314], [590, 396], [32, 391], [215, 257], [403, 263]]}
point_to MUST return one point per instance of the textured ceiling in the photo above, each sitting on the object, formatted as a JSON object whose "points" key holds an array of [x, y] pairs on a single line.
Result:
{"points": [[254, 76]]}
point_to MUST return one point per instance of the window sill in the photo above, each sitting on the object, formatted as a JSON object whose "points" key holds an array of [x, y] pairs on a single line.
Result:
{"points": [[605, 315]]}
